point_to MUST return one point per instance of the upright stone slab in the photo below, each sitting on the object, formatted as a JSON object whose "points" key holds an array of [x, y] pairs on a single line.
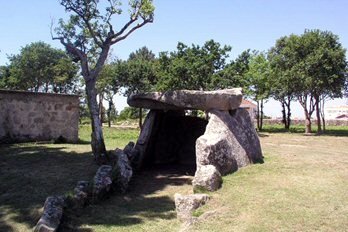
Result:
{"points": [[229, 142], [137, 154]]}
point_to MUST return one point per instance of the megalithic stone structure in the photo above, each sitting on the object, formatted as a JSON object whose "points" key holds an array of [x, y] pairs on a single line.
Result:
{"points": [[229, 140]]}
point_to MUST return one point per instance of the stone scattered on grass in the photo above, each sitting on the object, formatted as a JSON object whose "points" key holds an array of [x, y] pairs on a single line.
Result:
{"points": [[186, 204], [81, 193], [52, 214], [102, 182]]}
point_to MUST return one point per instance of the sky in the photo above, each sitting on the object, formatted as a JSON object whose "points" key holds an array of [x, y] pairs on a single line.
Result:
{"points": [[242, 24]]}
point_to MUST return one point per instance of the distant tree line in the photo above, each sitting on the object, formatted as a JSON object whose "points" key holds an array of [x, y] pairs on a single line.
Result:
{"points": [[310, 68]]}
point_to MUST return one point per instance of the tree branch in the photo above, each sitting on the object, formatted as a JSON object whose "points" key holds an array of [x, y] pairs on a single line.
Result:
{"points": [[139, 25]]}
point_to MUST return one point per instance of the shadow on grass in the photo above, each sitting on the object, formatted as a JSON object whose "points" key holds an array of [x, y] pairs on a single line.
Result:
{"points": [[31, 172], [140, 203]]}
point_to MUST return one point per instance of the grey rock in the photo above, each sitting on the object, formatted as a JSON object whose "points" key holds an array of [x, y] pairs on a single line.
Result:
{"points": [[186, 204], [122, 171], [102, 182], [226, 99], [52, 215], [207, 178], [81, 192], [137, 154], [128, 148], [229, 142]]}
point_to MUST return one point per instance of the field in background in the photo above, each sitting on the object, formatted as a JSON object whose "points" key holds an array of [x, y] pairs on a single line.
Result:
{"points": [[302, 186]]}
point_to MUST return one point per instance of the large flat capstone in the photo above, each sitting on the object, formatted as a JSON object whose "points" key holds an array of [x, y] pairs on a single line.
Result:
{"points": [[226, 99]]}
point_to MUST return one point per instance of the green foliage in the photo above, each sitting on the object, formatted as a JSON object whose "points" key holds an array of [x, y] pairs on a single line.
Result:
{"points": [[40, 68], [191, 67], [129, 113], [140, 75], [234, 74], [4, 77], [257, 77], [311, 67]]}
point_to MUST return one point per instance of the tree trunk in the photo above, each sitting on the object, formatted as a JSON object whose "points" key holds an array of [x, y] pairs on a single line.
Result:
{"points": [[109, 112], [261, 118], [284, 114], [308, 129], [288, 114], [141, 118], [100, 108], [317, 109], [323, 115], [97, 143], [258, 115]]}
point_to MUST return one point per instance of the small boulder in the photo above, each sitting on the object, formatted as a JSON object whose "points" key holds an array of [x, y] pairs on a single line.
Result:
{"points": [[128, 149], [185, 205], [52, 215], [81, 193], [207, 178], [102, 182]]}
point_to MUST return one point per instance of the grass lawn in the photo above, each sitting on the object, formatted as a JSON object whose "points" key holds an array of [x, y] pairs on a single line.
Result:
{"points": [[302, 186]]}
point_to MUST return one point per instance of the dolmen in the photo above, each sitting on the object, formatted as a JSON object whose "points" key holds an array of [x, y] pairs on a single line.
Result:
{"points": [[218, 144]]}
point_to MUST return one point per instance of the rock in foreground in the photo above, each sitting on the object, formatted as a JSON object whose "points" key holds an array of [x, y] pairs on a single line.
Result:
{"points": [[185, 205], [51, 216]]}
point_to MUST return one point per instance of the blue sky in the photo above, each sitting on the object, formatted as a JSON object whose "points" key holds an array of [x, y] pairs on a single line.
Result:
{"points": [[242, 24]]}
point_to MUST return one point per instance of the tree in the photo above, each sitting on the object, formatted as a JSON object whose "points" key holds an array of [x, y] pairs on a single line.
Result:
{"points": [[234, 73], [283, 83], [316, 63], [40, 68], [258, 83], [141, 74], [192, 67], [88, 36], [4, 77]]}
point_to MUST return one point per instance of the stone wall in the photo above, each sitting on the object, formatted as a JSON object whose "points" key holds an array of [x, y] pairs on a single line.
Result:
{"points": [[28, 116]]}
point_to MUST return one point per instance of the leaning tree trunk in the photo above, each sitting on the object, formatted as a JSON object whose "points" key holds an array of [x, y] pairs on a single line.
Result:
{"points": [[97, 143], [101, 108]]}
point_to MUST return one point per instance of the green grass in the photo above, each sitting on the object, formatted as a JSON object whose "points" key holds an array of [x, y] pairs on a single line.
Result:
{"points": [[330, 130], [113, 137], [302, 186]]}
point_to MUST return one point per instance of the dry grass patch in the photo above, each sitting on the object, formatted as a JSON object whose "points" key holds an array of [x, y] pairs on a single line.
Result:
{"points": [[302, 186]]}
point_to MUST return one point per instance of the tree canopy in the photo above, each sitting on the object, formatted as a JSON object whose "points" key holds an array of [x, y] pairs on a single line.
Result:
{"points": [[40, 68], [191, 67]]}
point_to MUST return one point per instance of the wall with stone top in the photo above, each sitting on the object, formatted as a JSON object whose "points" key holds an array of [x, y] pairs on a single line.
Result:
{"points": [[28, 116]]}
